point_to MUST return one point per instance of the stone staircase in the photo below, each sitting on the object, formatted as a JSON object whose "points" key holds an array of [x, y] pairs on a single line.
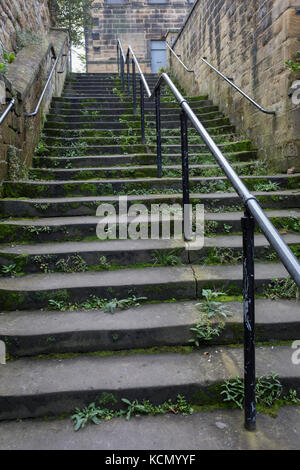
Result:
{"points": [[64, 349]]}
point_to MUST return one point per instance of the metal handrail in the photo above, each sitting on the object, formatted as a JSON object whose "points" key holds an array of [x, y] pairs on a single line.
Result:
{"points": [[263, 110], [178, 58], [253, 213], [7, 111], [66, 59], [34, 113]]}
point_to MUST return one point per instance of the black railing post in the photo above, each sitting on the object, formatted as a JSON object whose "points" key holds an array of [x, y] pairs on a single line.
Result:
{"points": [[248, 225], [118, 58], [142, 103], [185, 176], [122, 72], [158, 132], [128, 76], [134, 87]]}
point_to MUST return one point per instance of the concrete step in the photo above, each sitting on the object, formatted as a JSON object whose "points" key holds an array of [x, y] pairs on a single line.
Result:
{"points": [[73, 206], [48, 257], [206, 430], [32, 333], [35, 388], [74, 173], [162, 283], [77, 228], [106, 186], [202, 106]]}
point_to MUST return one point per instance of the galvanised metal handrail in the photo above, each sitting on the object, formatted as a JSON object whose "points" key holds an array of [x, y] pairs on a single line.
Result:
{"points": [[56, 60], [66, 59], [7, 111], [263, 110], [253, 214], [178, 58]]}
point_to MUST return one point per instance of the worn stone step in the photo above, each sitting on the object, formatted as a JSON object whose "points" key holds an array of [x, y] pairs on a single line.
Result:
{"points": [[45, 257], [136, 159], [32, 333], [66, 108], [76, 228], [106, 186], [33, 388], [72, 206], [74, 173], [99, 148], [161, 283]]}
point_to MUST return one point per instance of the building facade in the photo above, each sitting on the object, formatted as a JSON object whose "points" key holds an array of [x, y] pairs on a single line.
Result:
{"points": [[141, 23]]}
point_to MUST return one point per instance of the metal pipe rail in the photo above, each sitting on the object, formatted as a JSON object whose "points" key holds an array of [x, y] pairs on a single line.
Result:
{"points": [[56, 60], [7, 111], [66, 59], [253, 213], [263, 110], [178, 58]]}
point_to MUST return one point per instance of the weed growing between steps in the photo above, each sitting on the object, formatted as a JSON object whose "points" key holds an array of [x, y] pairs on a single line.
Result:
{"points": [[93, 302], [212, 316], [94, 414], [268, 389], [282, 289]]}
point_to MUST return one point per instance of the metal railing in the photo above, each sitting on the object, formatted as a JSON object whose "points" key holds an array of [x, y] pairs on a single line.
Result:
{"points": [[56, 60], [7, 110], [253, 212], [178, 58], [263, 110]]}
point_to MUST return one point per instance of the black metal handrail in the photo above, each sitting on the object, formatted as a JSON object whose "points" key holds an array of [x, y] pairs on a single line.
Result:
{"points": [[263, 110], [178, 58], [56, 60], [252, 213], [66, 59], [7, 111]]}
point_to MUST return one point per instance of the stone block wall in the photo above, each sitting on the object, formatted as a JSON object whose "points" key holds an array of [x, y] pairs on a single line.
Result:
{"points": [[23, 15], [25, 81], [248, 41], [135, 22]]}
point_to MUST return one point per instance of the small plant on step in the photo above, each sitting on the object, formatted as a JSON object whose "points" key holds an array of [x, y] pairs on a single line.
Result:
{"points": [[282, 289], [268, 390], [9, 270], [266, 187], [166, 258], [212, 316], [112, 305]]}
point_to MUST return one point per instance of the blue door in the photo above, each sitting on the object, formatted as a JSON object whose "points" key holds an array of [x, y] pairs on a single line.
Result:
{"points": [[158, 55]]}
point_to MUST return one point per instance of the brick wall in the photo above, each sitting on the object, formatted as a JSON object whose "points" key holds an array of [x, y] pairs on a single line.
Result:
{"points": [[250, 42], [135, 23]]}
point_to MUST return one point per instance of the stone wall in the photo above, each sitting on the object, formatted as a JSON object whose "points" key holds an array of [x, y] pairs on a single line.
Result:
{"points": [[22, 15], [25, 81], [248, 41], [135, 23]]}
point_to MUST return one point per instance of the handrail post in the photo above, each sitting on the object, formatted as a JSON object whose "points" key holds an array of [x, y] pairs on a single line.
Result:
{"points": [[142, 104], [128, 74], [248, 225], [185, 176], [158, 132], [122, 72], [134, 87], [118, 58]]}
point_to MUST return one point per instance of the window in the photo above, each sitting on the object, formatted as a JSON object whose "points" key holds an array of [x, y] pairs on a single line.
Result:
{"points": [[153, 2], [115, 2]]}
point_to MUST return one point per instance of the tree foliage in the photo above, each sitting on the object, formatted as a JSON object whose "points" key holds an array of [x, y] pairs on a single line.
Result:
{"points": [[74, 15]]}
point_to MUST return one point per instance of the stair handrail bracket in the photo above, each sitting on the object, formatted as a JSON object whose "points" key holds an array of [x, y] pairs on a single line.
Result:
{"points": [[260, 108], [253, 212]]}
